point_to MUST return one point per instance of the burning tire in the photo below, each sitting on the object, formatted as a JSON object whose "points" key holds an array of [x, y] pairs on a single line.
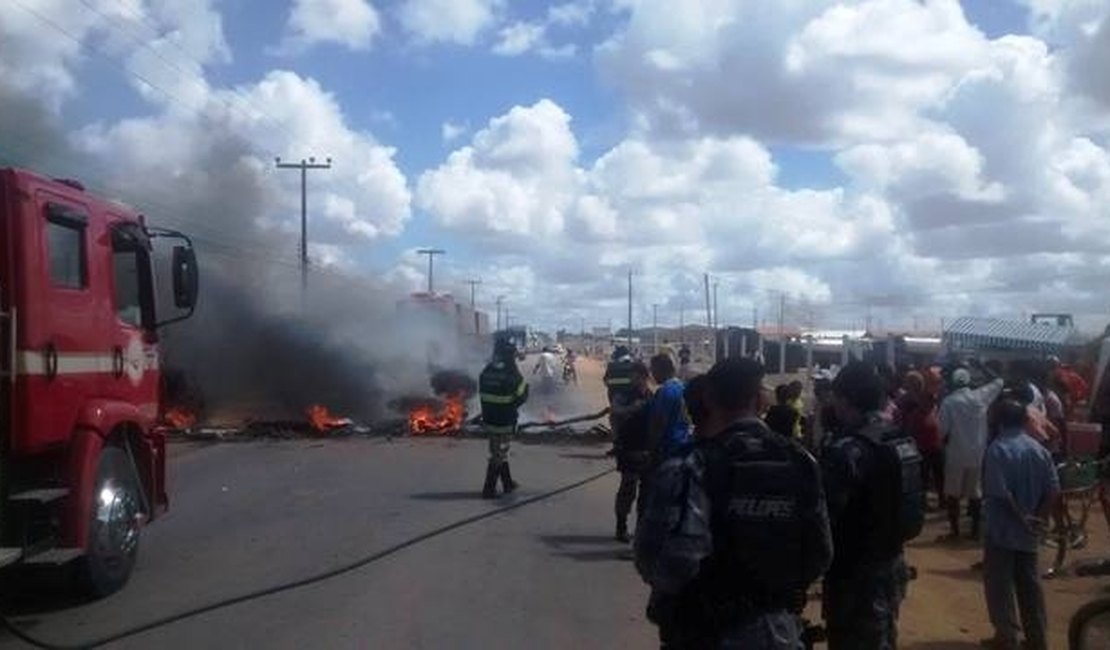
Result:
{"points": [[114, 529]]}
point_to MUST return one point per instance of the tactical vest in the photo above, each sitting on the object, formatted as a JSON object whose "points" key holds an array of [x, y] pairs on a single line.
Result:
{"points": [[770, 522], [899, 490], [501, 390]]}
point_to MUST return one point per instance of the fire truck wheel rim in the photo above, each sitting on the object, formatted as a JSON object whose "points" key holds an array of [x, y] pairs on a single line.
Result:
{"points": [[117, 532]]}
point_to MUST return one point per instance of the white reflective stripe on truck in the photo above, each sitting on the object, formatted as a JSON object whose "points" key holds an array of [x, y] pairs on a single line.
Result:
{"points": [[33, 362]]}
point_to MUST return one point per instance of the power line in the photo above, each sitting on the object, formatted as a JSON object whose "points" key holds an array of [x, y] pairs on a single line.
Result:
{"points": [[118, 64], [280, 124]]}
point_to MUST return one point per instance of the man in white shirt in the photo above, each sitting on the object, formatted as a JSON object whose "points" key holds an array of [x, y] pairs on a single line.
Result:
{"points": [[547, 367], [963, 428]]}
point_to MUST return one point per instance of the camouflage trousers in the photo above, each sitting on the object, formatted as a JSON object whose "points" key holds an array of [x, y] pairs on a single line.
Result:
{"points": [[861, 609], [768, 631], [499, 438]]}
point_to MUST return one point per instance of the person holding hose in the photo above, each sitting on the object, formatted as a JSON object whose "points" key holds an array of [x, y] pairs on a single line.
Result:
{"points": [[502, 391]]}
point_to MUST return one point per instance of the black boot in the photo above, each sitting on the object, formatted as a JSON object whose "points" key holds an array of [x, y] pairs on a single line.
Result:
{"points": [[622, 532], [507, 482], [489, 490]]}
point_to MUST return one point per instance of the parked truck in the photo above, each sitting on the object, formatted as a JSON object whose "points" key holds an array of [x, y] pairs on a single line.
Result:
{"points": [[82, 454]]}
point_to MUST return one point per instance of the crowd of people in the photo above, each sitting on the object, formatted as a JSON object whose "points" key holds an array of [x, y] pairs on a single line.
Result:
{"points": [[746, 495], [980, 435]]}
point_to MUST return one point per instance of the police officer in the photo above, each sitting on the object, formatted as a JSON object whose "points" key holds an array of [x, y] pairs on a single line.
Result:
{"points": [[501, 390], [866, 582], [735, 529]]}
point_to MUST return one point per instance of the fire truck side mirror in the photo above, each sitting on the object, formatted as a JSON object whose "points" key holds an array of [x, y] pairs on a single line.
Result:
{"points": [[185, 277]]}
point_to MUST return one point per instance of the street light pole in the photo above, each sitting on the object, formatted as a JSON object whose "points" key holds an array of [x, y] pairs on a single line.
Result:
{"points": [[630, 308], [500, 300]]}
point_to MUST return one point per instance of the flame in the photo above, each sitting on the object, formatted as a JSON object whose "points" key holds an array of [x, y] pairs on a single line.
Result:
{"points": [[322, 420], [180, 418], [548, 415], [447, 419]]}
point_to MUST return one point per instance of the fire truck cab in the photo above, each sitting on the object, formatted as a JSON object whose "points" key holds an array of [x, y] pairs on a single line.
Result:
{"points": [[82, 457]]}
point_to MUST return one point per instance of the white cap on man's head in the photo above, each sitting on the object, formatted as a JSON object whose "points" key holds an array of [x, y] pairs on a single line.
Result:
{"points": [[961, 377]]}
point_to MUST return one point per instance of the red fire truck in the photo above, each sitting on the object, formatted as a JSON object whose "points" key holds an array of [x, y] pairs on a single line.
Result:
{"points": [[82, 457]]}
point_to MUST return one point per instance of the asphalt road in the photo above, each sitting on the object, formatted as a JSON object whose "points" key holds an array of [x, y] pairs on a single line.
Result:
{"points": [[250, 515]]}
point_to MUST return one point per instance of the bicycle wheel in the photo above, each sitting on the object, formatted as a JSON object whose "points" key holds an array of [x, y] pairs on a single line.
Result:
{"points": [[1090, 626]]}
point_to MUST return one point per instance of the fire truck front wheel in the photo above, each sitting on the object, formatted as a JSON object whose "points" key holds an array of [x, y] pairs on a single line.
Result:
{"points": [[114, 530]]}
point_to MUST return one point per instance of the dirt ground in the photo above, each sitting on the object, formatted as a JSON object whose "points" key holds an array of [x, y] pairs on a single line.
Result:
{"points": [[945, 608]]}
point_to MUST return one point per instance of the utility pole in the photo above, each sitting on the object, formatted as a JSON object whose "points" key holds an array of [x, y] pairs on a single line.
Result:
{"points": [[500, 299], [431, 253], [630, 308], [655, 329], [304, 166], [473, 309], [716, 312], [709, 317], [782, 333], [473, 284], [682, 323]]}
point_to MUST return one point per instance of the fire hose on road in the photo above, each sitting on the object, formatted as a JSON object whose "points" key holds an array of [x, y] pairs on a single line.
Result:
{"points": [[15, 631], [561, 423]]}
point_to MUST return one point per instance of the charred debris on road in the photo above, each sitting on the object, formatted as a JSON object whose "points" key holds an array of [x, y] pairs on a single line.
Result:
{"points": [[441, 415]]}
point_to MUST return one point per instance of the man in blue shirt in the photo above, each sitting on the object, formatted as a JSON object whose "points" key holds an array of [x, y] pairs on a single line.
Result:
{"points": [[1020, 486], [669, 425]]}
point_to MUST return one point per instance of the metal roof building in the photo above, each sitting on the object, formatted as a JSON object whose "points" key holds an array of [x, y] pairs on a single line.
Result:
{"points": [[971, 333]]}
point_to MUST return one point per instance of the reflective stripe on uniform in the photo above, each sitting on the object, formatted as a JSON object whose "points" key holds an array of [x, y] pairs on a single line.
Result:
{"points": [[618, 381], [497, 398], [507, 428]]}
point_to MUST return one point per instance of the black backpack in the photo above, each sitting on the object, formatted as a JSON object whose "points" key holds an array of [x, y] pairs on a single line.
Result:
{"points": [[899, 499], [771, 526]]}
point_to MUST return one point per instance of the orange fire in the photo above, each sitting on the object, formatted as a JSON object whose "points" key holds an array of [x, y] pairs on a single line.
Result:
{"points": [[447, 419], [548, 415], [180, 418], [322, 420]]}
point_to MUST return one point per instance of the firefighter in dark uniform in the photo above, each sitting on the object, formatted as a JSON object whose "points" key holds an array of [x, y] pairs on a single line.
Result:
{"points": [[620, 385], [625, 399], [632, 452], [501, 390], [866, 583]]}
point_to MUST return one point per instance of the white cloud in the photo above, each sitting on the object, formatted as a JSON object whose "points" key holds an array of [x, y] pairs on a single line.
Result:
{"points": [[571, 14], [523, 37], [351, 23], [448, 21], [519, 38], [516, 177], [813, 72], [166, 43], [450, 131], [362, 197]]}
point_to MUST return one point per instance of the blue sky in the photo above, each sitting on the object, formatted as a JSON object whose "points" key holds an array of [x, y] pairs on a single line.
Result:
{"points": [[840, 153]]}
